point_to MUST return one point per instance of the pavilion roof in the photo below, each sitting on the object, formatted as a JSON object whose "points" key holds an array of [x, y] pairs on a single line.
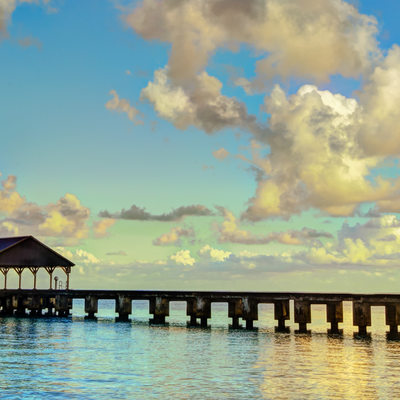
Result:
{"points": [[27, 251]]}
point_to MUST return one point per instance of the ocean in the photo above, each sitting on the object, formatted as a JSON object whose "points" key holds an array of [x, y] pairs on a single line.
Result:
{"points": [[74, 358]]}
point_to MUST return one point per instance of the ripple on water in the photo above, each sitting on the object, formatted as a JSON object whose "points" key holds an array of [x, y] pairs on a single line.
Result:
{"points": [[52, 358]]}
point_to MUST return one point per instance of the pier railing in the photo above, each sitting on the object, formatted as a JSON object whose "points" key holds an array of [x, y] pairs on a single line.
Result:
{"points": [[242, 306]]}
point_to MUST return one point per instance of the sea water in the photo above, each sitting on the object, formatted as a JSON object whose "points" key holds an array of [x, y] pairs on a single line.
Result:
{"points": [[74, 358]]}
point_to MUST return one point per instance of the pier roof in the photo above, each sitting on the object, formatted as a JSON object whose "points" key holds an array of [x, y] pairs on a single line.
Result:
{"points": [[27, 251]]}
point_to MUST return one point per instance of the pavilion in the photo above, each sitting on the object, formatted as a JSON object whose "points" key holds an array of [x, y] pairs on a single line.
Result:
{"points": [[26, 252]]}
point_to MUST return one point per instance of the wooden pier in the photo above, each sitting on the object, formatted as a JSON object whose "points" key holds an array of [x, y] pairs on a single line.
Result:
{"points": [[242, 306]]}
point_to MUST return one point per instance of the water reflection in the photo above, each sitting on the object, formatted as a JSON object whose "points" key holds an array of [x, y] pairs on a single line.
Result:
{"points": [[78, 359]]}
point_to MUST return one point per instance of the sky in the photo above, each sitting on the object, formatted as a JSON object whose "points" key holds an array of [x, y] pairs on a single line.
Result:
{"points": [[204, 144]]}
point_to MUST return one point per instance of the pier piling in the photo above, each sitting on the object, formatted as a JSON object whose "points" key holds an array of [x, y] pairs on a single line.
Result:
{"points": [[302, 315], [62, 305], [281, 314], [235, 311], [123, 306], [91, 306], [249, 311], [159, 307], [334, 315], [361, 317], [392, 318]]}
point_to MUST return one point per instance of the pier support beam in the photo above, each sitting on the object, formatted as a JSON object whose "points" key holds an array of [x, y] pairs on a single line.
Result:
{"points": [[34, 271], [67, 271], [62, 305], [4, 271], [302, 315], [123, 306], [49, 303], [282, 314], [159, 307], [250, 312], [190, 311], [18, 305], [361, 317], [50, 271], [91, 307], [392, 318], [198, 307], [334, 315], [7, 309], [19, 271], [235, 311], [35, 305]]}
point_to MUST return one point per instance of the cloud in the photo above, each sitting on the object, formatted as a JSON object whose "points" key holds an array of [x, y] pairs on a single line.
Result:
{"points": [[66, 218], [198, 103], [221, 153], [30, 41], [140, 214], [315, 160], [380, 98], [307, 39], [374, 243], [214, 254], [230, 232], [183, 257], [173, 237], [8, 228], [123, 106], [117, 253], [100, 227], [7, 7], [321, 146], [78, 256], [10, 200]]}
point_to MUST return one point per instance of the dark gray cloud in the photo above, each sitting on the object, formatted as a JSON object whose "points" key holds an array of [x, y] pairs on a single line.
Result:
{"points": [[140, 214]]}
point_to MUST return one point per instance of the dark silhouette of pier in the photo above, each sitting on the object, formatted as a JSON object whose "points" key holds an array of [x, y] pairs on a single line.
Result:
{"points": [[242, 306]]}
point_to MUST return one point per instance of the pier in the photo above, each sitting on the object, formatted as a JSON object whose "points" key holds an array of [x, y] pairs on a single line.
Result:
{"points": [[242, 306], [27, 253]]}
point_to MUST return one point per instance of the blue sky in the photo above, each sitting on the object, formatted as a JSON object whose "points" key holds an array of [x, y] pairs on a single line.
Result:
{"points": [[206, 145]]}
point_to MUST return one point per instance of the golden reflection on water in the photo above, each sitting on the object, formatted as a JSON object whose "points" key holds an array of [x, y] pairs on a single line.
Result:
{"points": [[319, 366]]}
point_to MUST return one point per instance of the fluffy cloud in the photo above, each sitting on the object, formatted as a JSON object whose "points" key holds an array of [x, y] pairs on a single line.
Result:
{"points": [[379, 132], [315, 158], [78, 256], [214, 254], [303, 38], [221, 153], [140, 214], [100, 227], [229, 231], [183, 257], [66, 218], [374, 243], [122, 106], [7, 7], [198, 103], [321, 147], [10, 200], [173, 237], [8, 228]]}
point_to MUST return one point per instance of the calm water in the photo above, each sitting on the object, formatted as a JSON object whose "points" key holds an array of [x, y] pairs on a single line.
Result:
{"points": [[78, 359]]}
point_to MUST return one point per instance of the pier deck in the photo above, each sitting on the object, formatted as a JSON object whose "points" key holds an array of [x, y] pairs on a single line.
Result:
{"points": [[242, 305]]}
